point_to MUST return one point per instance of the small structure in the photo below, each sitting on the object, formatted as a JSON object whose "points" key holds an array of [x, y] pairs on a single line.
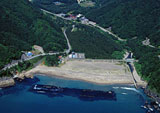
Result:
{"points": [[84, 20], [29, 54], [79, 1], [129, 60], [57, 3], [146, 42], [77, 55], [109, 29], [79, 15], [73, 17]]}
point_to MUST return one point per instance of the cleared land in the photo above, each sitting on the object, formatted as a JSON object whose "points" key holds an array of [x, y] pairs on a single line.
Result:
{"points": [[101, 72], [87, 4]]}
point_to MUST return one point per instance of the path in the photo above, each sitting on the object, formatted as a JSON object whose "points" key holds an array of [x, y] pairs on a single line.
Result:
{"points": [[147, 43], [68, 43], [109, 32], [94, 25], [44, 54]]}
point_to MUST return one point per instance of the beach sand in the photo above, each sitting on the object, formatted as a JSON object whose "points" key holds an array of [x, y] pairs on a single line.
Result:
{"points": [[92, 71]]}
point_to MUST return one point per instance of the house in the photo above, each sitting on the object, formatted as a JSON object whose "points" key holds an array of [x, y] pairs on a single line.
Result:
{"points": [[29, 54], [57, 3], [84, 20], [79, 15], [77, 55], [129, 60], [79, 1], [73, 17]]}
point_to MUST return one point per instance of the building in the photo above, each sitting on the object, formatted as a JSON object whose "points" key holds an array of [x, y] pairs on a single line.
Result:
{"points": [[57, 3], [29, 54], [77, 55], [79, 1], [73, 17], [84, 20], [129, 60], [79, 15]]}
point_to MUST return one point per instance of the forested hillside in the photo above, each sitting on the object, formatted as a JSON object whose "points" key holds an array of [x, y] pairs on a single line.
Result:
{"points": [[133, 20], [94, 43], [66, 6], [22, 26], [130, 18]]}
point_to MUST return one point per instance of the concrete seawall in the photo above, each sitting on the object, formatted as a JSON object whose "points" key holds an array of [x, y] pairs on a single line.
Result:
{"points": [[96, 60]]}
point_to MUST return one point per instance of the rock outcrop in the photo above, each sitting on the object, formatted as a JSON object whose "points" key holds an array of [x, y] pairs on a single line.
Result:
{"points": [[6, 82]]}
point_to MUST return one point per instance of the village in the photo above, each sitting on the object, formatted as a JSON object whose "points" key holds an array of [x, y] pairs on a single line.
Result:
{"points": [[77, 18]]}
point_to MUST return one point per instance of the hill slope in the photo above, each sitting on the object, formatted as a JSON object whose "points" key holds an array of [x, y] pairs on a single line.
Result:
{"points": [[22, 26], [130, 18]]}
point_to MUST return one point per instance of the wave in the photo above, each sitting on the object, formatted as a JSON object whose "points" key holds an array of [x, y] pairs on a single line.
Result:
{"points": [[124, 93], [115, 87], [132, 89]]}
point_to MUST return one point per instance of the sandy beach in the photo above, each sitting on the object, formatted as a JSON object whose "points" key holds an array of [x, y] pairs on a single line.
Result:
{"points": [[92, 71]]}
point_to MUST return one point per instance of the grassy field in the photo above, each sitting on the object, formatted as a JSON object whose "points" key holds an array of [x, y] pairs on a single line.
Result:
{"points": [[87, 4]]}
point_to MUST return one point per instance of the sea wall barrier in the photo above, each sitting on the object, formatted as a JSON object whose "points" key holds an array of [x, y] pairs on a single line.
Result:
{"points": [[96, 60]]}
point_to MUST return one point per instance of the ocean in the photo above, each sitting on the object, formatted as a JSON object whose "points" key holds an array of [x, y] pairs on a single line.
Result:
{"points": [[19, 99]]}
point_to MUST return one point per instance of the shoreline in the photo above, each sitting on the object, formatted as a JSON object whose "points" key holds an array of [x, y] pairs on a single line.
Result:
{"points": [[91, 78], [6, 82], [93, 71], [98, 72], [94, 82]]}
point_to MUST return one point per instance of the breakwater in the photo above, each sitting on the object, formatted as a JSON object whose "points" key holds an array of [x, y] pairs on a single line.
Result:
{"points": [[82, 94]]}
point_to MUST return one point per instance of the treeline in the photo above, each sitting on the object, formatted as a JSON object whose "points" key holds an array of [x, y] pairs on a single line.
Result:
{"points": [[135, 20], [130, 18], [22, 66], [22, 26], [148, 65], [94, 43], [51, 60], [66, 6]]}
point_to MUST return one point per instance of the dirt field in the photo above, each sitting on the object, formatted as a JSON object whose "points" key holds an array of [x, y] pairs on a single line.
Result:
{"points": [[92, 71]]}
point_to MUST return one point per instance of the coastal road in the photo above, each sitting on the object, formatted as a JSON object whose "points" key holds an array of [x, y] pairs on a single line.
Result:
{"points": [[44, 54], [94, 25]]}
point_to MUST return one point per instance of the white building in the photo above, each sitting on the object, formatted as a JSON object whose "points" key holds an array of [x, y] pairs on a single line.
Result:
{"points": [[77, 56], [79, 1]]}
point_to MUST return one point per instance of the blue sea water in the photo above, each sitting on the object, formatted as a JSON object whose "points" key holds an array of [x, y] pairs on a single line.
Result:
{"points": [[19, 99]]}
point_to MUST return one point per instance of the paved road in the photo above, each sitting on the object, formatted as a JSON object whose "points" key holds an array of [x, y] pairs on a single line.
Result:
{"points": [[68, 43], [109, 32], [44, 54], [45, 11], [95, 25]]}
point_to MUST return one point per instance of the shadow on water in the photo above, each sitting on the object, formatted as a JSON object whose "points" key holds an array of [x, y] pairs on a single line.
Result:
{"points": [[82, 94]]}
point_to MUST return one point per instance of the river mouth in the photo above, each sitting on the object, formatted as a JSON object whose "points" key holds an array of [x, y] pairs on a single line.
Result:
{"points": [[126, 95]]}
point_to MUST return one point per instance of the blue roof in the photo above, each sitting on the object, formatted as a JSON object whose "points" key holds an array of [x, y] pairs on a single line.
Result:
{"points": [[29, 54]]}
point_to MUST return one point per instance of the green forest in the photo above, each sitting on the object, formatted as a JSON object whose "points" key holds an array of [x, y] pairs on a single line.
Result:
{"points": [[22, 26], [93, 43], [133, 20]]}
